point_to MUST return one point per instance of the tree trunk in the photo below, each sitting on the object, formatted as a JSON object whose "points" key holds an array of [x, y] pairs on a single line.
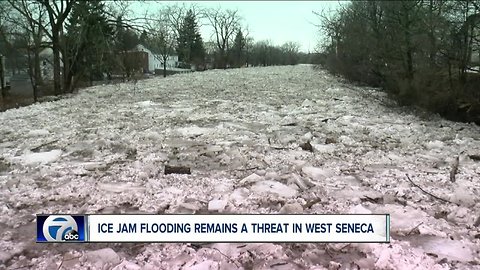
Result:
{"points": [[164, 68], [69, 85], [431, 35], [31, 74], [2, 76], [67, 76], [409, 63], [450, 79], [36, 55], [222, 59], [409, 49], [90, 77], [36, 66], [57, 86]]}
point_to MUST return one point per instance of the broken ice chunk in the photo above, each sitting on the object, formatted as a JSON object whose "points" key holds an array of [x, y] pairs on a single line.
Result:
{"points": [[38, 132], [451, 249], [323, 148], [346, 140], [42, 157], [274, 187], [239, 195], [146, 103], [271, 175], [463, 196], [120, 187], [252, 178], [308, 136], [317, 174], [192, 131], [223, 188], [308, 103], [434, 144], [217, 205]]}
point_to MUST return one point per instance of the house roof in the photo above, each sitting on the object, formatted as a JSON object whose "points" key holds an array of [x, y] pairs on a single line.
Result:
{"points": [[140, 47]]}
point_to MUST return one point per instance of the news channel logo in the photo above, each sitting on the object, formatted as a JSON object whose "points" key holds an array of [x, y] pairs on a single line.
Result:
{"points": [[61, 228]]}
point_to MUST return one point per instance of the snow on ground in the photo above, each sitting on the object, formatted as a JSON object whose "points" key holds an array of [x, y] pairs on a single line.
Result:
{"points": [[239, 130]]}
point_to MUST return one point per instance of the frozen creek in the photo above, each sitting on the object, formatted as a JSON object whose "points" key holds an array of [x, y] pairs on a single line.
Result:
{"points": [[239, 130]]}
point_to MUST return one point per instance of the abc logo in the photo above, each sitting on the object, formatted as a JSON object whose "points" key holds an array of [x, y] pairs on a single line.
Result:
{"points": [[60, 228]]}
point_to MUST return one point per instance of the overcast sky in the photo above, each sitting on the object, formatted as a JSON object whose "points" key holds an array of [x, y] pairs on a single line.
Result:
{"points": [[277, 21]]}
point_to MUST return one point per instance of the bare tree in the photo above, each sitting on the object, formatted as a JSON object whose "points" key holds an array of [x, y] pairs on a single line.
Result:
{"points": [[57, 14], [129, 19], [163, 37], [174, 15], [34, 46], [30, 27], [466, 37], [290, 49], [248, 44], [225, 24]]}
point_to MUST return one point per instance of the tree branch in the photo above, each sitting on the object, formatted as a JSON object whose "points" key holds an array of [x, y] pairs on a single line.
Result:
{"points": [[428, 193]]}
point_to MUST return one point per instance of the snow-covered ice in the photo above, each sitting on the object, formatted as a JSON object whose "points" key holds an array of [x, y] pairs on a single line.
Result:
{"points": [[38, 132], [42, 157], [217, 205], [239, 131]]}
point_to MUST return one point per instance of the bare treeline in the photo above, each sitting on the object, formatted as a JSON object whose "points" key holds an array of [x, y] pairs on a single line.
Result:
{"points": [[425, 52]]}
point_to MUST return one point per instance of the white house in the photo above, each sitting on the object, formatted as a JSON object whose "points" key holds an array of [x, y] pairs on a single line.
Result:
{"points": [[155, 61], [172, 61]]}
